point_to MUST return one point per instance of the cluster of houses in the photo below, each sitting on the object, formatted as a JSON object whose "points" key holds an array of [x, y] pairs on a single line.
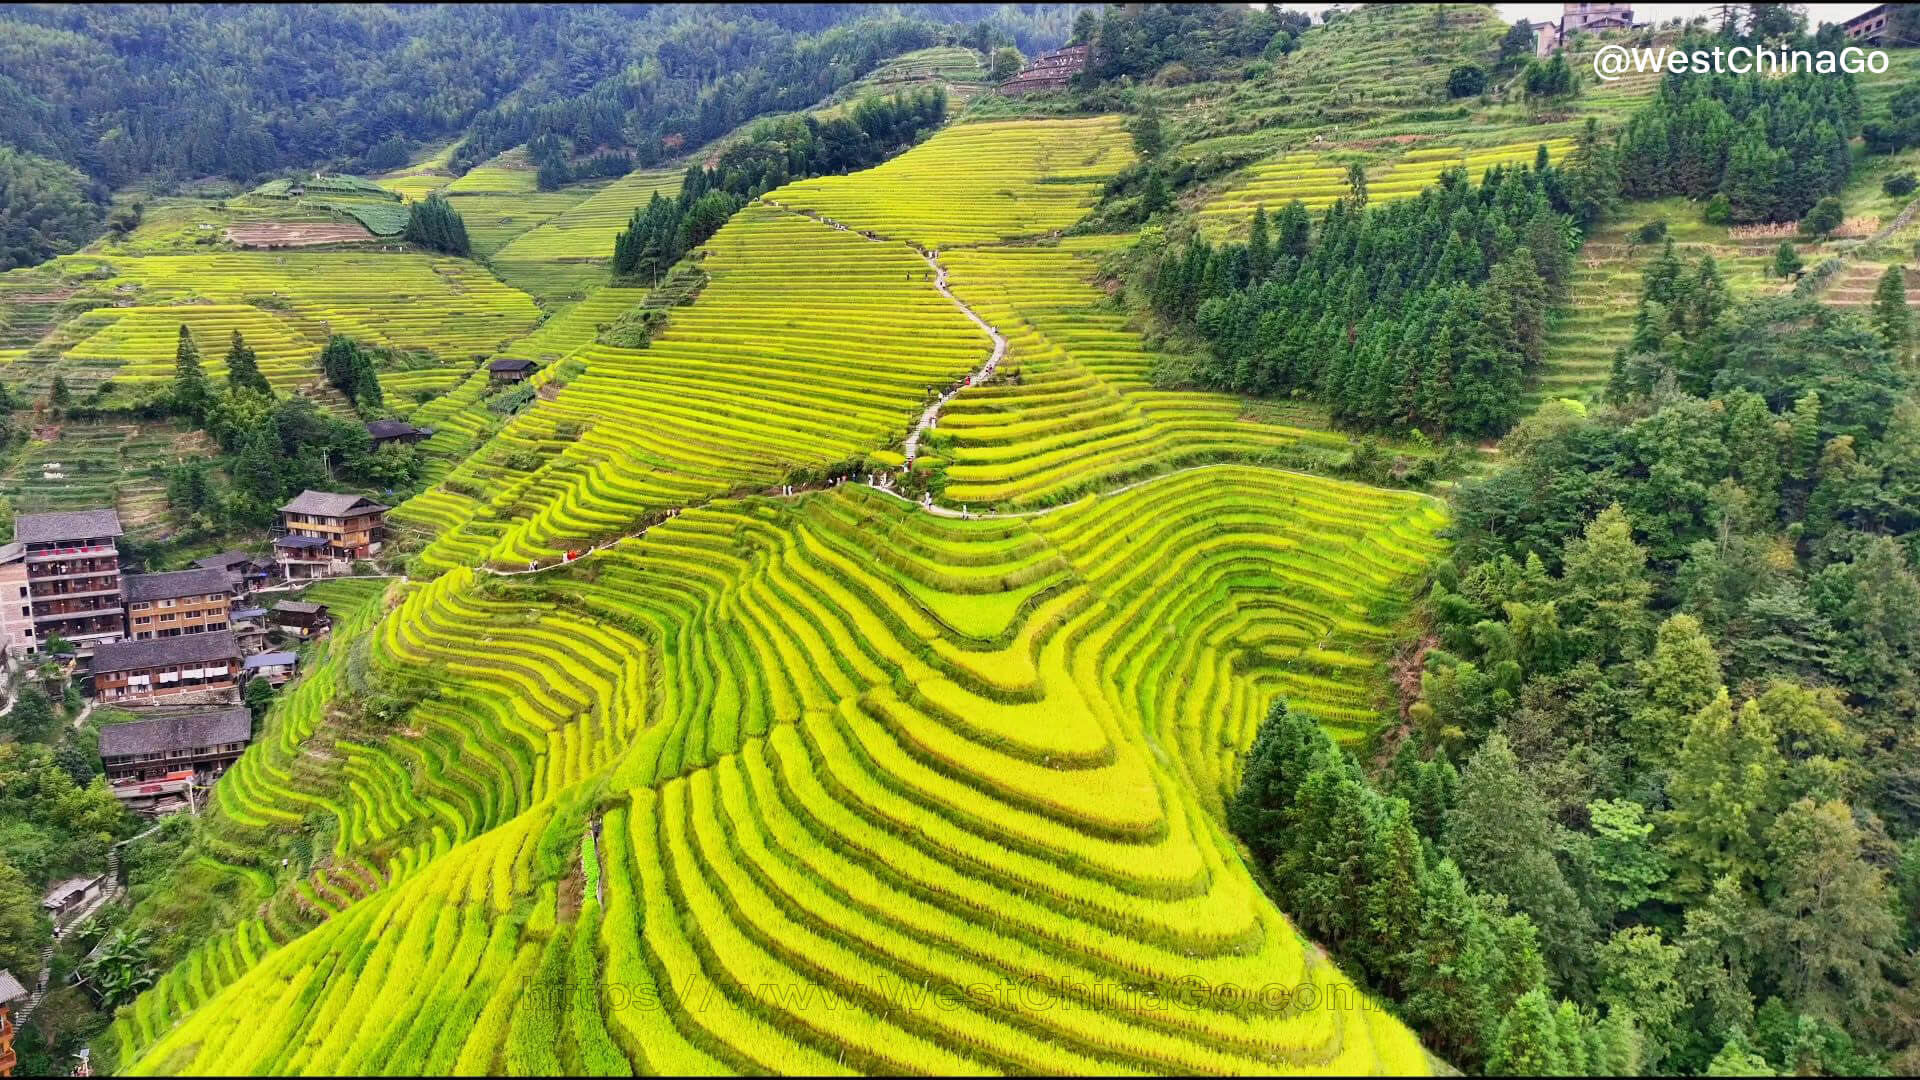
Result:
{"points": [[1049, 71], [1869, 26], [178, 644]]}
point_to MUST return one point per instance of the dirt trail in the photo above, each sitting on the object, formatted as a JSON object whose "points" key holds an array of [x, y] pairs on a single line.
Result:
{"points": [[931, 415]]}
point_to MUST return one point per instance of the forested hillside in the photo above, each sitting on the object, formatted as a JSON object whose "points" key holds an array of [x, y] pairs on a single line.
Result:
{"points": [[127, 92], [1326, 544]]}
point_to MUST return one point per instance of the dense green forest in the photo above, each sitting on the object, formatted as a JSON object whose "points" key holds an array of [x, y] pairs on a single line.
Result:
{"points": [[46, 208], [1424, 313], [1772, 147], [130, 93], [1661, 720], [1179, 42], [1654, 801]]}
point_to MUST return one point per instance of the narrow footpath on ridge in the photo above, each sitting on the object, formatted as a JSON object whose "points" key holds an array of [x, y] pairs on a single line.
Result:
{"points": [[931, 414]]}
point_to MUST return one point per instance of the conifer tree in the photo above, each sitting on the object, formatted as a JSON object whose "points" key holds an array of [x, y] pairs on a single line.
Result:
{"points": [[1259, 246], [1680, 677], [434, 223], [1501, 834], [1294, 233], [1830, 911], [1723, 791], [350, 369], [1786, 260], [191, 395], [1592, 177], [1890, 314], [243, 367], [1527, 1041], [1357, 183]]}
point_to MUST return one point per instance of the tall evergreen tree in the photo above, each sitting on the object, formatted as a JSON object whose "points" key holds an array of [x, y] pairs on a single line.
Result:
{"points": [[1527, 1042], [1502, 835], [191, 394], [1831, 918], [1890, 314], [1724, 791], [1786, 260], [243, 367], [1592, 177], [433, 223]]}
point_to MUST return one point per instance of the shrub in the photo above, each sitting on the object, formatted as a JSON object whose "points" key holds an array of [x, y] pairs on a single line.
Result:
{"points": [[1175, 74], [1467, 80], [1825, 217], [1718, 211], [1900, 184], [1652, 232], [1786, 260]]}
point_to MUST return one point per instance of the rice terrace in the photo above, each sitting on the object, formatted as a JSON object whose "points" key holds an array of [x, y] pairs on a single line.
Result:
{"points": [[957, 539]]}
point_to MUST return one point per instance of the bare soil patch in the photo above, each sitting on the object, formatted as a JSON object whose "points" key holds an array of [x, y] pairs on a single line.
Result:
{"points": [[296, 234]]}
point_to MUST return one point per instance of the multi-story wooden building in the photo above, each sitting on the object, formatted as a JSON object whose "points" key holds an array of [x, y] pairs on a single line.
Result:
{"points": [[324, 532], [249, 627], [182, 602], [142, 672], [1870, 25], [16, 602], [1597, 15], [72, 579], [146, 752], [12, 996]]}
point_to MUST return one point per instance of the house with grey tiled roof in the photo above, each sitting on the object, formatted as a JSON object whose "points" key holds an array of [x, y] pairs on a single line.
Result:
{"points": [[323, 532], [205, 741], [383, 432], [63, 582], [138, 672], [182, 602]]}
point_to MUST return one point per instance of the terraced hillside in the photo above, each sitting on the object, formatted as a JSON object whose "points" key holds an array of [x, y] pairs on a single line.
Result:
{"points": [[954, 68], [796, 772], [566, 255], [1080, 414], [78, 466], [138, 344], [1604, 291], [1372, 64], [810, 346], [496, 220], [975, 183], [465, 415], [446, 306], [449, 312], [1317, 178], [507, 172], [428, 174], [586, 230], [840, 747]]}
